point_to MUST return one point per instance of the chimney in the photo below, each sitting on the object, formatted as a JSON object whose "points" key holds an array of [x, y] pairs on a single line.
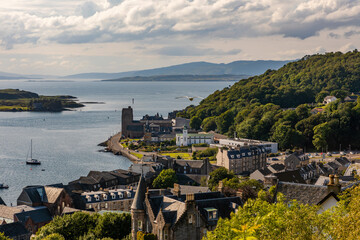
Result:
{"points": [[177, 191], [221, 187], [334, 184]]}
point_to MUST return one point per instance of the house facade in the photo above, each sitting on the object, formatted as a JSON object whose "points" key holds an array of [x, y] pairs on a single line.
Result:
{"points": [[179, 217], [187, 139], [243, 160]]}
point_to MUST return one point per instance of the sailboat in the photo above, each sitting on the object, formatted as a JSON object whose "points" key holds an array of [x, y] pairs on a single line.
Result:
{"points": [[32, 160]]}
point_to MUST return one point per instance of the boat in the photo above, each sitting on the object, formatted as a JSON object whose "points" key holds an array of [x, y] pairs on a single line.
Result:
{"points": [[3, 186], [32, 161]]}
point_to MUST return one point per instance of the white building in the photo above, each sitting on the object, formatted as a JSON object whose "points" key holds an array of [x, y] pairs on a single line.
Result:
{"points": [[329, 99], [187, 139], [270, 147]]}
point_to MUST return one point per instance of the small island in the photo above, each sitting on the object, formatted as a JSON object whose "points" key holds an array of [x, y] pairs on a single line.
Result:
{"points": [[18, 100]]}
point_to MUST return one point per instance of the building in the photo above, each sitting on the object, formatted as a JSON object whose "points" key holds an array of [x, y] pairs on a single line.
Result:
{"points": [[351, 98], [270, 147], [329, 99], [295, 161], [316, 110], [179, 217], [15, 231], [179, 123], [200, 167], [187, 139], [34, 219], [244, 160], [137, 129], [114, 200]]}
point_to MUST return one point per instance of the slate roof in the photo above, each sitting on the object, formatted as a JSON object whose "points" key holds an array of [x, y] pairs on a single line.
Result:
{"points": [[14, 229], [104, 175], [265, 171], [333, 165], [185, 189], [224, 207], [186, 179], [342, 161], [278, 167], [2, 202], [138, 203], [191, 163], [39, 215], [290, 176], [33, 194], [303, 193]]}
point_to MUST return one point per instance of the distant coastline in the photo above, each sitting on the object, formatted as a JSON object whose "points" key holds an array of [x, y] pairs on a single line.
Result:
{"points": [[15, 100], [180, 78]]}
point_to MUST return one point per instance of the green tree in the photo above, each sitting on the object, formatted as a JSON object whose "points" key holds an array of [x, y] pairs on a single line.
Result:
{"points": [[209, 124], [113, 225], [54, 236], [3, 237], [195, 122], [219, 174], [321, 132], [166, 178]]}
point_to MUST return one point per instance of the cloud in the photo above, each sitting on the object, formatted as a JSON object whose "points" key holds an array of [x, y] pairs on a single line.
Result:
{"points": [[193, 51], [123, 20]]}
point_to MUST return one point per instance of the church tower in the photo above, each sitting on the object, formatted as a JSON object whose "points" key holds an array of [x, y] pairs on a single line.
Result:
{"points": [[126, 119], [138, 209]]}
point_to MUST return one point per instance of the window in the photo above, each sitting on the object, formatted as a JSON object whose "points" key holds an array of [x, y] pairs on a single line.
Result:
{"points": [[212, 213], [238, 155], [121, 195], [106, 205], [190, 218], [165, 234], [139, 225], [113, 196], [88, 198], [105, 197], [97, 198]]}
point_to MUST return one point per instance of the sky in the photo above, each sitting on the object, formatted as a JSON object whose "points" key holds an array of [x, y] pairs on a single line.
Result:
{"points": [[61, 37]]}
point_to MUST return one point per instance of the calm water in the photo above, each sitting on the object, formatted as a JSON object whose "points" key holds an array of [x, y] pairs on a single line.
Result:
{"points": [[66, 143]]}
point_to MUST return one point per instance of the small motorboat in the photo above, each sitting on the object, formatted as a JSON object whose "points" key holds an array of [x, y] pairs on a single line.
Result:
{"points": [[3, 186]]}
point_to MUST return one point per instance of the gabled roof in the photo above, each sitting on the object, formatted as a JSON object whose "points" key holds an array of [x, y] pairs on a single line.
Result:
{"points": [[190, 163], [33, 194], [278, 167], [342, 161], [2, 202], [333, 165], [101, 175], [13, 229], [290, 176], [185, 189], [303, 193], [138, 203], [53, 193], [8, 212], [39, 215], [265, 171]]}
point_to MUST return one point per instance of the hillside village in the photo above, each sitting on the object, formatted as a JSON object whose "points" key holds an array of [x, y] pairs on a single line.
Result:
{"points": [[190, 206]]}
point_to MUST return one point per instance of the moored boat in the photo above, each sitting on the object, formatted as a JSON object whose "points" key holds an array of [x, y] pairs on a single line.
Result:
{"points": [[32, 161], [3, 186]]}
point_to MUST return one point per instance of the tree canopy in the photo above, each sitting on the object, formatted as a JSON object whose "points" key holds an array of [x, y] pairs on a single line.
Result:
{"points": [[276, 105], [87, 226], [166, 178]]}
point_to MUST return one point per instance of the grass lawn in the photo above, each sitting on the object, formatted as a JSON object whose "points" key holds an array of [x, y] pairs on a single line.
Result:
{"points": [[9, 108], [138, 155], [185, 156]]}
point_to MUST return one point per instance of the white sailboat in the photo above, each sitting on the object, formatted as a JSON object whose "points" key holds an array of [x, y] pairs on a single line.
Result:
{"points": [[32, 160]]}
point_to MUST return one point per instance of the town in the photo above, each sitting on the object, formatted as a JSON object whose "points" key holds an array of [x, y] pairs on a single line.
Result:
{"points": [[182, 180]]}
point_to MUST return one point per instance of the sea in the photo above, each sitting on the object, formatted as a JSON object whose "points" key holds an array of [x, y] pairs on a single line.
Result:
{"points": [[66, 143]]}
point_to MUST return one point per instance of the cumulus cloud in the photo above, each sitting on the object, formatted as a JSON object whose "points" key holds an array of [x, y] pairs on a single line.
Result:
{"points": [[120, 20]]}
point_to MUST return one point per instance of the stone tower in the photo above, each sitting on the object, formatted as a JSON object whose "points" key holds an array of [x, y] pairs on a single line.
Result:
{"points": [[126, 119], [138, 209]]}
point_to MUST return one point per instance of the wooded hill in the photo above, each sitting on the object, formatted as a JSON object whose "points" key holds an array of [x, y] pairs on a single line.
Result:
{"points": [[258, 107]]}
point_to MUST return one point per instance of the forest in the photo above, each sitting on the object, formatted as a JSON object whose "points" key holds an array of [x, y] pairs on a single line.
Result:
{"points": [[276, 105]]}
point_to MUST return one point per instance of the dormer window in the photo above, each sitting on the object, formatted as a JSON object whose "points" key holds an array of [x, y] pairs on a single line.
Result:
{"points": [[212, 213], [243, 154], [97, 197], [121, 195], [113, 195], [88, 198], [105, 197], [238, 155]]}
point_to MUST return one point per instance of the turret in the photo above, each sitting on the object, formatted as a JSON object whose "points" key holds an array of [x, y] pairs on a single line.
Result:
{"points": [[138, 209]]}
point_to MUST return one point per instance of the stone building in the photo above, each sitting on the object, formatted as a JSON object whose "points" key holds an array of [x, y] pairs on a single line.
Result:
{"points": [[187, 139], [243, 160], [116, 200], [150, 124], [179, 216]]}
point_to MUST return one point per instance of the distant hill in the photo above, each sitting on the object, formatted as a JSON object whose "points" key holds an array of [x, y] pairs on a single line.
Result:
{"points": [[182, 78], [194, 68], [14, 76]]}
